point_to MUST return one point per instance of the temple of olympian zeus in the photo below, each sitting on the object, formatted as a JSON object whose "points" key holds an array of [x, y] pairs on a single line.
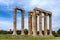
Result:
{"points": [[33, 14]]}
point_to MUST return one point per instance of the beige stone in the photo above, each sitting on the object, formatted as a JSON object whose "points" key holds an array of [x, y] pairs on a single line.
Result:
{"points": [[50, 25], [22, 22], [45, 24], [40, 24], [29, 24], [14, 30], [33, 14], [34, 24]]}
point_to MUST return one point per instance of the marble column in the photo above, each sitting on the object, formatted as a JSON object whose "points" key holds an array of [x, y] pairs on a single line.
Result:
{"points": [[45, 24], [14, 30], [40, 24], [29, 24], [22, 23], [34, 24], [50, 24]]}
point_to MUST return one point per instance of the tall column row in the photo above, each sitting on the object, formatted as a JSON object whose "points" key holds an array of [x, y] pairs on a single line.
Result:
{"points": [[34, 15], [40, 24]]}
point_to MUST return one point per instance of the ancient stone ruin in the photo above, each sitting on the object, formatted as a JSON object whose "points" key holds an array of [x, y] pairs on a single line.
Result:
{"points": [[22, 22], [33, 14]]}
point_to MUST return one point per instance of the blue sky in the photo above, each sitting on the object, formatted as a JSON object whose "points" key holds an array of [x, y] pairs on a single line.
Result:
{"points": [[7, 6]]}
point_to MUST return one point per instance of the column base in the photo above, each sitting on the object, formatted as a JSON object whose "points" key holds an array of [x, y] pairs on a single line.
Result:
{"points": [[40, 35], [29, 34], [34, 35], [22, 34], [14, 34], [50, 35], [45, 35]]}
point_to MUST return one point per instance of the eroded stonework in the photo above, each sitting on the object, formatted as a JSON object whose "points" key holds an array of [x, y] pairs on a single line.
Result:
{"points": [[33, 24], [22, 20]]}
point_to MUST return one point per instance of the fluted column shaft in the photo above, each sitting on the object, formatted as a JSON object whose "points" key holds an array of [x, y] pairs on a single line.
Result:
{"points": [[22, 23], [14, 30], [29, 24], [50, 24], [40, 24], [45, 24], [34, 24]]}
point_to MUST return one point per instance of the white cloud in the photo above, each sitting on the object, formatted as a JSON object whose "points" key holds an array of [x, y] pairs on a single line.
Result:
{"points": [[5, 25], [51, 5], [7, 2]]}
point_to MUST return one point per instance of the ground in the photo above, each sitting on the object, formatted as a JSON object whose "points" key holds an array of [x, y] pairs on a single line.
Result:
{"points": [[9, 37]]}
